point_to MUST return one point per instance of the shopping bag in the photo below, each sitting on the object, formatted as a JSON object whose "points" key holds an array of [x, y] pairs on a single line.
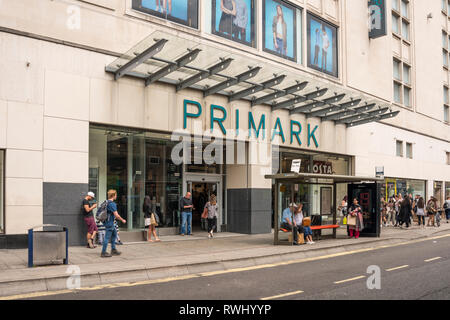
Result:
{"points": [[300, 238], [351, 220], [153, 220]]}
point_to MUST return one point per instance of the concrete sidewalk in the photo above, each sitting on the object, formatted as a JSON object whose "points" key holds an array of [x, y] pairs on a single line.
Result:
{"points": [[178, 256]]}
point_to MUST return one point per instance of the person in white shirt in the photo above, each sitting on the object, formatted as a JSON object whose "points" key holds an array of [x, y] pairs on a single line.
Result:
{"points": [[325, 46]]}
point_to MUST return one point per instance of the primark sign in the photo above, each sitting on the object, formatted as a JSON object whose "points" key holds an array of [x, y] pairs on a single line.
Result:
{"points": [[377, 18]]}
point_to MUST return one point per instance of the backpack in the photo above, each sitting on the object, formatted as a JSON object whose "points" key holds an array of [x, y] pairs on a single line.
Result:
{"points": [[102, 212]]}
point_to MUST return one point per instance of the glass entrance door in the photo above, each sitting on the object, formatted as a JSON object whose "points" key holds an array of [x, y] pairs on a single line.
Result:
{"points": [[202, 188]]}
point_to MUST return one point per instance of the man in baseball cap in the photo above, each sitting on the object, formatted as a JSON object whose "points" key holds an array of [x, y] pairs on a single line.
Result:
{"points": [[87, 211]]}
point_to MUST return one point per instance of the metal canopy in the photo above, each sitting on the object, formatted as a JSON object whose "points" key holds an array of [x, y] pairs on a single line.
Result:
{"points": [[189, 63]]}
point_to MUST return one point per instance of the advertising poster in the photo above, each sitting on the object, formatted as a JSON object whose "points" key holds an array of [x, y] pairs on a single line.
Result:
{"points": [[322, 46], [180, 11], [234, 19], [279, 27]]}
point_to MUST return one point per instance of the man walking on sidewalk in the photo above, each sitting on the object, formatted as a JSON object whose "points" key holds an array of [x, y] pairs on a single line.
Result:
{"points": [[111, 231], [186, 214]]}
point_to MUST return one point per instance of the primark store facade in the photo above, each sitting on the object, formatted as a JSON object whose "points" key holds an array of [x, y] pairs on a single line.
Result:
{"points": [[158, 98]]}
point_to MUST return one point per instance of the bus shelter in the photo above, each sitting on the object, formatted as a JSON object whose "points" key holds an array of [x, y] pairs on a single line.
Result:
{"points": [[321, 195]]}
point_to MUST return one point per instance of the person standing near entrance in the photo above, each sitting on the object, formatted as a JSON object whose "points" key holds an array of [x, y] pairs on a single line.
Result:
{"points": [[150, 210], [356, 212], [212, 209], [111, 231], [89, 219], [186, 214]]}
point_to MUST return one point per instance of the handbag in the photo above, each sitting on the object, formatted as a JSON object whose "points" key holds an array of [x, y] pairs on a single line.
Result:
{"points": [[344, 221], [205, 214], [300, 238], [147, 222], [153, 220], [351, 220]]}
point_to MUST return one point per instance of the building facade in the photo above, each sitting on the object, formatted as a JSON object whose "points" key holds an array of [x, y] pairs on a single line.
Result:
{"points": [[75, 117]]}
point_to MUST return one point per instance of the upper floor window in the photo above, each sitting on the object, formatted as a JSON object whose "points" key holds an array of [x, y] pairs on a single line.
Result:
{"points": [[409, 150], [399, 148], [184, 12]]}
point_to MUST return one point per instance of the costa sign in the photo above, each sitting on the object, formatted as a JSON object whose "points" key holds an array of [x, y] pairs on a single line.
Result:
{"points": [[322, 167]]}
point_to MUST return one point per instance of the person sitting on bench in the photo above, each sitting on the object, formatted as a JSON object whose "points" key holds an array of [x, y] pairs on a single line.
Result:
{"points": [[287, 223]]}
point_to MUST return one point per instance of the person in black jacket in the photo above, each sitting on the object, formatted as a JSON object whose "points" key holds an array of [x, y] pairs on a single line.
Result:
{"points": [[405, 212]]}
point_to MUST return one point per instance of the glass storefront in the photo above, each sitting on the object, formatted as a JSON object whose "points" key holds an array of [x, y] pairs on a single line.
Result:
{"points": [[136, 164], [2, 192], [317, 199], [393, 186], [437, 192]]}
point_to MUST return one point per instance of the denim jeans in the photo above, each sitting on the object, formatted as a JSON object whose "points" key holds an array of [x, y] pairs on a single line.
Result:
{"points": [[281, 50], [186, 217], [110, 235]]}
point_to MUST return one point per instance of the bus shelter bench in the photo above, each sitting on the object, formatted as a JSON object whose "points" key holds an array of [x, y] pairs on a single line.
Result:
{"points": [[316, 229]]}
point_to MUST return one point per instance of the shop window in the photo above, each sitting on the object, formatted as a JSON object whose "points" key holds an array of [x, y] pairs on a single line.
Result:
{"points": [[2, 192], [234, 20], [282, 29], [136, 164], [399, 148], [184, 12], [315, 163]]}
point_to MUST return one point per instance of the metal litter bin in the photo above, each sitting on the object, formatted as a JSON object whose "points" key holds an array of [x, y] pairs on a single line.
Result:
{"points": [[49, 246]]}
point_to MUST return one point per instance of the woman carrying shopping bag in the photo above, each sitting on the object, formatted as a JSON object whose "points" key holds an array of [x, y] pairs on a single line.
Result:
{"points": [[355, 219], [150, 219]]}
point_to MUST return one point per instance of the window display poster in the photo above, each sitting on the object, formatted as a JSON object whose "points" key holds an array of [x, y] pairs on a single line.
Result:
{"points": [[280, 29], [234, 19], [180, 11], [322, 46]]}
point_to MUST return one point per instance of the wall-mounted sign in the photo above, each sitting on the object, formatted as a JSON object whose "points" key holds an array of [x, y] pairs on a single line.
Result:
{"points": [[296, 164], [377, 18], [379, 172], [322, 167]]}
